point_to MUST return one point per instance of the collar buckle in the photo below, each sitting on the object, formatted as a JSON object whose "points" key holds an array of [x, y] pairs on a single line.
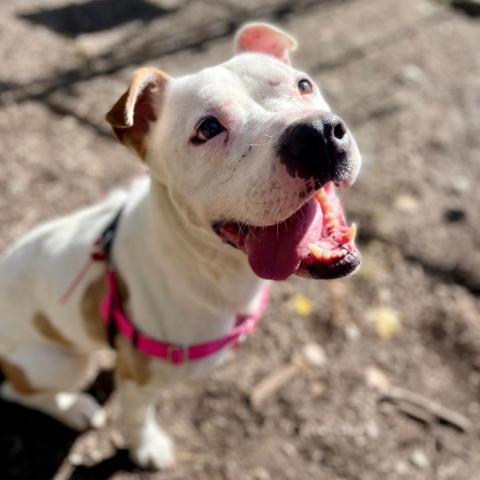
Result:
{"points": [[177, 354]]}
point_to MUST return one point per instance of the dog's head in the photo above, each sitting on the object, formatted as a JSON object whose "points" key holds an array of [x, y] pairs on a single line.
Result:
{"points": [[250, 150]]}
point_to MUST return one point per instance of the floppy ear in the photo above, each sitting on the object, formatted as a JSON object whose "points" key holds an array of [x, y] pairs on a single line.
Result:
{"points": [[138, 107], [265, 38]]}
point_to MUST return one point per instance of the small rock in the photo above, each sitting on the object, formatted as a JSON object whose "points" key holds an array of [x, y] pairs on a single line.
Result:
{"points": [[406, 203], [460, 184], [289, 449], [384, 295], [352, 332], [419, 459], [401, 468], [261, 474], [413, 73], [314, 354], [372, 430], [317, 389], [377, 379]]}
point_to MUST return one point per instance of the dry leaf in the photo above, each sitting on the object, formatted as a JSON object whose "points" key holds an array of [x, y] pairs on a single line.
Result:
{"points": [[301, 305], [385, 321]]}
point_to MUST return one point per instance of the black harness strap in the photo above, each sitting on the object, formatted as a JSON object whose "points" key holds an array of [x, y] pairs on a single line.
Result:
{"points": [[105, 243], [107, 237]]}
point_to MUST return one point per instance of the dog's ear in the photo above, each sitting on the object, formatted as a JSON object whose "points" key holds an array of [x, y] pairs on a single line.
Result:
{"points": [[138, 107], [265, 38]]}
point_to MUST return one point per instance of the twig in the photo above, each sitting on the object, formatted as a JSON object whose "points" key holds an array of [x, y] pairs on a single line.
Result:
{"points": [[273, 382], [311, 355], [400, 395]]}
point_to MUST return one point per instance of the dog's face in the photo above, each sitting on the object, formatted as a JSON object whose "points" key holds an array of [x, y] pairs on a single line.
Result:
{"points": [[251, 151]]}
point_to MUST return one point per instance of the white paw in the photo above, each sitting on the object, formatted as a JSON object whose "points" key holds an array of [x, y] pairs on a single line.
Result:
{"points": [[80, 411], [154, 449]]}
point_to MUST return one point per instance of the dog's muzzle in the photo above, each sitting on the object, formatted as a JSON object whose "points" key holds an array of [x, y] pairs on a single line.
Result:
{"points": [[318, 148]]}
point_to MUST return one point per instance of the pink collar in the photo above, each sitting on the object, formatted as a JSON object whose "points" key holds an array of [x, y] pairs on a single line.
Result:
{"points": [[117, 321]]}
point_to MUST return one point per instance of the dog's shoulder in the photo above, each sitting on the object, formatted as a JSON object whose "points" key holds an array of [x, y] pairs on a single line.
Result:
{"points": [[77, 231]]}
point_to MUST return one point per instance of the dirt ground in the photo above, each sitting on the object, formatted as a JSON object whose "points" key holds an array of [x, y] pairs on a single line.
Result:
{"points": [[397, 394]]}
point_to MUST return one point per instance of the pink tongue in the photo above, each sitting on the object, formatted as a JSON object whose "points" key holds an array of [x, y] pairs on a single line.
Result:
{"points": [[275, 252]]}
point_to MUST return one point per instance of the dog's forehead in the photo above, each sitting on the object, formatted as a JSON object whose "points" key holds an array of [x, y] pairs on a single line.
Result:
{"points": [[243, 74], [259, 68]]}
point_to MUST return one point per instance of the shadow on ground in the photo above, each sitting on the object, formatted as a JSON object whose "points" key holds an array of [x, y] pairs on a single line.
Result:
{"points": [[95, 16], [34, 446]]}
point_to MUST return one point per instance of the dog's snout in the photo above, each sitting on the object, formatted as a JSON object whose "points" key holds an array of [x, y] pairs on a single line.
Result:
{"points": [[316, 148]]}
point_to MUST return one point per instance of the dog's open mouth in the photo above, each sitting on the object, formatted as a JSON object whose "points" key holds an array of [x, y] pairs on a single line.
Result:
{"points": [[315, 241]]}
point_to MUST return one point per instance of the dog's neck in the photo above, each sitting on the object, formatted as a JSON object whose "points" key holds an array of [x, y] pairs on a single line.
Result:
{"points": [[185, 285]]}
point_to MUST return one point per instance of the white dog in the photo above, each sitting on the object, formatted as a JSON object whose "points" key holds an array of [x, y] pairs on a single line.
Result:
{"points": [[243, 158]]}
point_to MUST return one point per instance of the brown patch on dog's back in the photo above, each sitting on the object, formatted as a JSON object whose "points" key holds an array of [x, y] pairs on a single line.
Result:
{"points": [[90, 306], [16, 376], [132, 364], [46, 328]]}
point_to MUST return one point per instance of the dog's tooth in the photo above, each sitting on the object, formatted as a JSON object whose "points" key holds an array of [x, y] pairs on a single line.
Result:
{"points": [[317, 251], [351, 233], [321, 195], [338, 253]]}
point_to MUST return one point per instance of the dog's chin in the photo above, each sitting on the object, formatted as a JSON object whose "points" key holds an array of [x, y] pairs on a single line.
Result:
{"points": [[327, 271], [314, 242]]}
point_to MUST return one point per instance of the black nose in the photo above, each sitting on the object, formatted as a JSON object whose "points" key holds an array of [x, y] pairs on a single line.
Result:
{"points": [[316, 148]]}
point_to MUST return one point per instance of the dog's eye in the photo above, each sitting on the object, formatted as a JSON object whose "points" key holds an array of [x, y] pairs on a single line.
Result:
{"points": [[305, 87], [206, 129]]}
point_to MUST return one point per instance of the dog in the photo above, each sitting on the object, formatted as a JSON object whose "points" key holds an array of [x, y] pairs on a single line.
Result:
{"points": [[244, 159]]}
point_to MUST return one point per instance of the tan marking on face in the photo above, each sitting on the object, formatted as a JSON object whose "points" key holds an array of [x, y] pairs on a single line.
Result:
{"points": [[46, 328], [132, 364], [17, 377], [90, 306]]}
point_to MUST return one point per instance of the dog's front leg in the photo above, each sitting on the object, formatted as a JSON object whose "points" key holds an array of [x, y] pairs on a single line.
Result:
{"points": [[149, 445]]}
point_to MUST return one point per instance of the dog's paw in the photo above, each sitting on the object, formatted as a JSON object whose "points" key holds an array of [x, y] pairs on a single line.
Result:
{"points": [[80, 411], [154, 450]]}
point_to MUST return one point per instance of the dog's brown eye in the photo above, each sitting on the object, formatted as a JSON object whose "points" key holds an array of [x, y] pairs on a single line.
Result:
{"points": [[305, 87], [208, 128]]}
